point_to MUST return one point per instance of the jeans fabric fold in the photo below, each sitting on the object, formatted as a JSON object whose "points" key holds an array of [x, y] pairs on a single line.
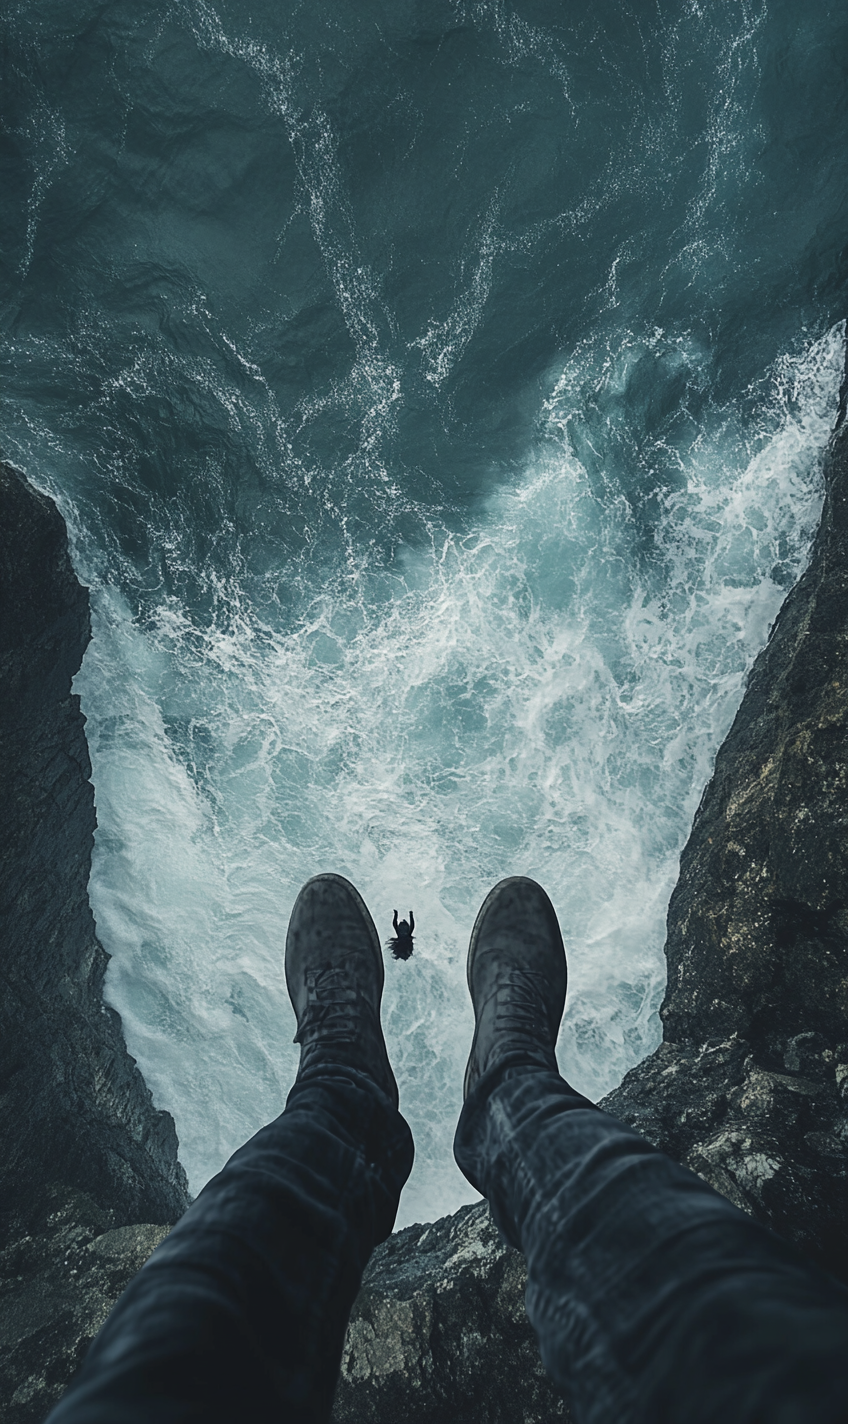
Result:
{"points": [[655, 1301], [241, 1312]]}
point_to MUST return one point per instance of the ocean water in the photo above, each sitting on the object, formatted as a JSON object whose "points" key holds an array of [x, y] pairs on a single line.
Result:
{"points": [[436, 395]]}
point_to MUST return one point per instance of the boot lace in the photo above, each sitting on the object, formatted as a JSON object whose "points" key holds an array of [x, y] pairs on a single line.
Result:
{"points": [[521, 1005], [333, 1011]]}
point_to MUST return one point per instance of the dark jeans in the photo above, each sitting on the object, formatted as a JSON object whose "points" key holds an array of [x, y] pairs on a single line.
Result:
{"points": [[240, 1314], [653, 1298]]}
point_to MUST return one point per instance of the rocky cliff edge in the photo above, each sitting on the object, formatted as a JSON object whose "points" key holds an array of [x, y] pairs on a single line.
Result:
{"points": [[749, 1087], [89, 1174]]}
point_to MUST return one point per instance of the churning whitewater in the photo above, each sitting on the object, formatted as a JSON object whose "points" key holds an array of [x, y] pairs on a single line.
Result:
{"points": [[436, 395]]}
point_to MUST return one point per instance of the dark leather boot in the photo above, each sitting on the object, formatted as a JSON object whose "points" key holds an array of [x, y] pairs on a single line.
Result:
{"points": [[334, 974], [517, 978]]}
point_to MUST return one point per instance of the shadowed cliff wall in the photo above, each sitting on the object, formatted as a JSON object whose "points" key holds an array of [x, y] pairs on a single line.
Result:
{"points": [[86, 1156], [750, 1085]]}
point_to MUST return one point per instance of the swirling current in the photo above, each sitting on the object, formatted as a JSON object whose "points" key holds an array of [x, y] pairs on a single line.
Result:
{"points": [[436, 394]]}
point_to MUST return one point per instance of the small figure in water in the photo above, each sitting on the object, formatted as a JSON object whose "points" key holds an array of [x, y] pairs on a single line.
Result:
{"points": [[401, 945]]}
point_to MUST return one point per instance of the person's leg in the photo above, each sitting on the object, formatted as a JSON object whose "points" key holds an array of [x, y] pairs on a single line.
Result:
{"points": [[241, 1312], [653, 1298]]}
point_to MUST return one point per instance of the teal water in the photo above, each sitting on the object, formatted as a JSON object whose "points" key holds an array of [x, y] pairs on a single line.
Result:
{"points": [[436, 394]]}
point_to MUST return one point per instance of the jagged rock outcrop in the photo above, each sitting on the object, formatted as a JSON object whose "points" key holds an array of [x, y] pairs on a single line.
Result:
{"points": [[750, 1086], [85, 1153], [439, 1331], [56, 1289]]}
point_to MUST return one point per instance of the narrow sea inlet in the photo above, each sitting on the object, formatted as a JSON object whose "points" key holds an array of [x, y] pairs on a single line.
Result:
{"points": [[436, 394]]}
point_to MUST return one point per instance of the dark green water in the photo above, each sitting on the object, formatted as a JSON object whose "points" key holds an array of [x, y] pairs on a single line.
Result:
{"points": [[436, 394]]}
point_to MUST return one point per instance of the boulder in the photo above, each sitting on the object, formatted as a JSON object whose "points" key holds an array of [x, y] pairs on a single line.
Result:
{"points": [[439, 1330]]}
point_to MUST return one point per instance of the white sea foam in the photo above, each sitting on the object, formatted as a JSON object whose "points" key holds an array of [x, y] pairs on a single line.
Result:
{"points": [[538, 695]]}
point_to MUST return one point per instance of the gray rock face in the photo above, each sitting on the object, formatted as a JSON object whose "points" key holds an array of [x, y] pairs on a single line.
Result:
{"points": [[439, 1331], [750, 1086], [56, 1289], [85, 1153]]}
